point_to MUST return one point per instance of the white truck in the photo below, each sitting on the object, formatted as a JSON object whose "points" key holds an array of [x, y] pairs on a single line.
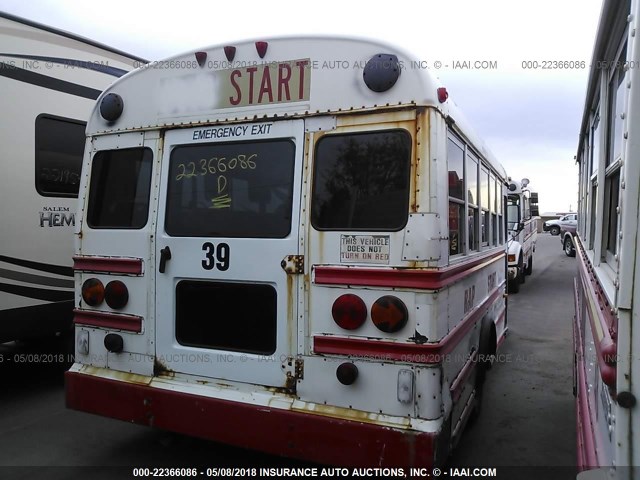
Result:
{"points": [[522, 225]]}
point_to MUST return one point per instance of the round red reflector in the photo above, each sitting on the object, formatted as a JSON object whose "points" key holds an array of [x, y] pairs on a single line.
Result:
{"points": [[93, 292], [347, 373], [349, 311], [389, 314], [116, 294]]}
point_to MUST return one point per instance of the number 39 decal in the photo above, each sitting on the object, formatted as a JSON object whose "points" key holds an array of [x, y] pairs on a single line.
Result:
{"points": [[215, 257]]}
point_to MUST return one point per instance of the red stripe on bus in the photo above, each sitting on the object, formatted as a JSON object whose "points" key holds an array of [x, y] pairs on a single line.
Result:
{"points": [[463, 376], [606, 347], [587, 456], [131, 323], [310, 436], [128, 266], [429, 353], [427, 279]]}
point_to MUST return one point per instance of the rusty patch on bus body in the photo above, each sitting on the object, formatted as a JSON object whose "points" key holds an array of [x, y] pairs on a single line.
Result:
{"points": [[160, 369], [293, 264]]}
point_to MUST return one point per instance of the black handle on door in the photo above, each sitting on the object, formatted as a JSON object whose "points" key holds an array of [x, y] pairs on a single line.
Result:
{"points": [[165, 254]]}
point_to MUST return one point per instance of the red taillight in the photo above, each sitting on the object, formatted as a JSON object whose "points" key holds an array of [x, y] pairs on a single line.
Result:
{"points": [[116, 294], [389, 314], [349, 311], [93, 292]]}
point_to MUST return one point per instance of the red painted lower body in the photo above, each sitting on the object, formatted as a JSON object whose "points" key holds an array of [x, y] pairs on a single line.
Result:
{"points": [[313, 437]]}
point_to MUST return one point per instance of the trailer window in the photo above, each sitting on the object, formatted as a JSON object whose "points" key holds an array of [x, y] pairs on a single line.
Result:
{"points": [[59, 145], [361, 181], [119, 190], [236, 189]]}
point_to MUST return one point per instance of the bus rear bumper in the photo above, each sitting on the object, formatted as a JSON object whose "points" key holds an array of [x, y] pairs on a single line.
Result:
{"points": [[271, 429]]}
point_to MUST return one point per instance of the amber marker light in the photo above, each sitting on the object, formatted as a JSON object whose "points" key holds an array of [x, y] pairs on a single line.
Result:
{"points": [[93, 292], [389, 314]]}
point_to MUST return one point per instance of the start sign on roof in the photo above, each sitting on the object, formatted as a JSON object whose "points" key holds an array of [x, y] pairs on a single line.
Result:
{"points": [[268, 83]]}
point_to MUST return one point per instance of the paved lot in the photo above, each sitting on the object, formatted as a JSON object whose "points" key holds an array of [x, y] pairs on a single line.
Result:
{"points": [[527, 418]]}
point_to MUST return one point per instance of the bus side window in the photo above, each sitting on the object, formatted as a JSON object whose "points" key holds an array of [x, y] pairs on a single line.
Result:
{"points": [[455, 160], [119, 190]]}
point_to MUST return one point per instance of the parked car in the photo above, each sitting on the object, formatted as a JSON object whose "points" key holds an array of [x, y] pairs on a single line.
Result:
{"points": [[554, 226], [567, 237]]}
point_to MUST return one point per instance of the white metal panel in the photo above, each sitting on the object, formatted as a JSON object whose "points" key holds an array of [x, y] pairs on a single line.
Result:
{"points": [[422, 237], [375, 389]]}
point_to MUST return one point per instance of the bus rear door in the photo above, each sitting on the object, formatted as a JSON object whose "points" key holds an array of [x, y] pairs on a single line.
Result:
{"points": [[227, 252]]}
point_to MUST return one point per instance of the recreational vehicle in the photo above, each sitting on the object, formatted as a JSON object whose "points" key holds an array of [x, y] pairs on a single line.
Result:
{"points": [[49, 81]]}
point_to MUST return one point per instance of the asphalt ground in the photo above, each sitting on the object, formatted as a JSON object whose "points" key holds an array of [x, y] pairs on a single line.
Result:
{"points": [[528, 412]]}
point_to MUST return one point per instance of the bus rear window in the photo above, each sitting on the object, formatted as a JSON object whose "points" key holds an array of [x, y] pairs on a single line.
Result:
{"points": [[236, 189], [361, 181], [119, 190]]}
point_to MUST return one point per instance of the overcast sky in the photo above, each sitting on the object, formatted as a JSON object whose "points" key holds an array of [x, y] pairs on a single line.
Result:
{"points": [[530, 119]]}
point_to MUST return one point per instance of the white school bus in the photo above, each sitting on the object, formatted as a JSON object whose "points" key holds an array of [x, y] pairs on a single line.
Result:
{"points": [[606, 334], [290, 254]]}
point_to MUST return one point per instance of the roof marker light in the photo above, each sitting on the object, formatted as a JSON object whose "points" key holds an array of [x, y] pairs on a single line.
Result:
{"points": [[230, 52], [201, 58], [381, 72], [442, 94], [111, 107], [261, 47]]}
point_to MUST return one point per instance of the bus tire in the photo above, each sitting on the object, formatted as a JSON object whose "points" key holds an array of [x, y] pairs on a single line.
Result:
{"points": [[486, 349], [486, 354], [514, 285], [521, 271], [529, 269], [443, 444]]}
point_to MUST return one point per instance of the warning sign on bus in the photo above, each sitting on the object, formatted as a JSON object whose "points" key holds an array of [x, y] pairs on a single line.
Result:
{"points": [[364, 248]]}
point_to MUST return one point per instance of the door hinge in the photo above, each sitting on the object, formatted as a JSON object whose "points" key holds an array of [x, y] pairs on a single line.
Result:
{"points": [[293, 264], [299, 368], [298, 372]]}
